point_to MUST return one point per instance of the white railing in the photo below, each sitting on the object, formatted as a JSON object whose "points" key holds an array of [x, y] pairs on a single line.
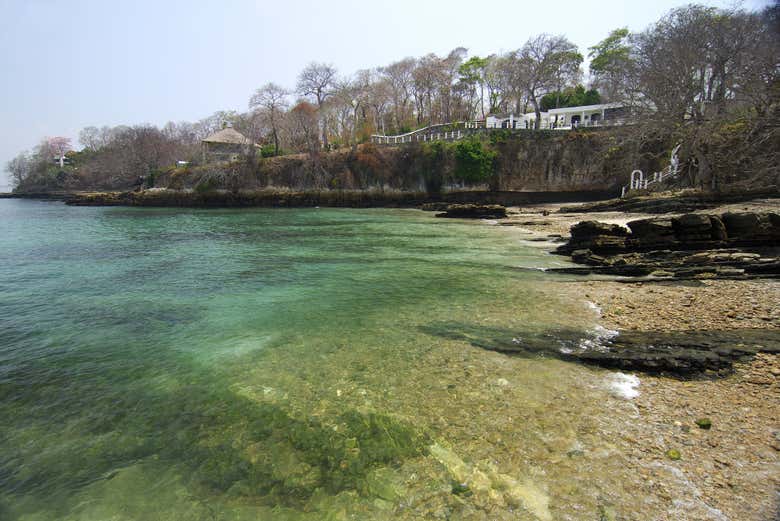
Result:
{"points": [[638, 181], [421, 135]]}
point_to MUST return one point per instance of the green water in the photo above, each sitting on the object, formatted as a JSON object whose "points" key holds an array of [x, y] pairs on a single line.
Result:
{"points": [[288, 364]]}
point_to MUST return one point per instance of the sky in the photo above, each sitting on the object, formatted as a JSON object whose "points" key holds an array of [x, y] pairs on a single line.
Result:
{"points": [[68, 64]]}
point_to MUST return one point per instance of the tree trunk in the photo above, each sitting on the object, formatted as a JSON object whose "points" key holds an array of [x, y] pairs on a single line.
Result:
{"points": [[538, 122]]}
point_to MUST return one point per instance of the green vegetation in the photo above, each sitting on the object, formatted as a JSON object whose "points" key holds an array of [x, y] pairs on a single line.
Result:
{"points": [[433, 165], [474, 163], [570, 97], [610, 54], [704, 423]]}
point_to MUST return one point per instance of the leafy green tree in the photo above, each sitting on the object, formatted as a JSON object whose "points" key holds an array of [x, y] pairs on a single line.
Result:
{"points": [[472, 74], [570, 97], [611, 63]]}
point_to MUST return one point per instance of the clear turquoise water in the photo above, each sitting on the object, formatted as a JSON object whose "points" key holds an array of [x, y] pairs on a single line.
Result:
{"points": [[281, 364]]}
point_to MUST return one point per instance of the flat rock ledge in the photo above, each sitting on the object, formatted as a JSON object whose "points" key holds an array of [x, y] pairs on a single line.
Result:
{"points": [[686, 354], [731, 245], [683, 354]]}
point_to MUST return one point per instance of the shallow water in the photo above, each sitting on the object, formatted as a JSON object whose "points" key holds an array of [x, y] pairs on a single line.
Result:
{"points": [[291, 364]]}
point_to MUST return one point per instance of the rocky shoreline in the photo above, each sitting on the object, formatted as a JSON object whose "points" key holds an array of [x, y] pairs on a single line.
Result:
{"points": [[732, 465], [283, 198], [732, 244]]}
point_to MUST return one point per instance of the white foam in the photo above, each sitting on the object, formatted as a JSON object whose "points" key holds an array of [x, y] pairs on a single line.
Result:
{"points": [[624, 385], [595, 307], [597, 336]]}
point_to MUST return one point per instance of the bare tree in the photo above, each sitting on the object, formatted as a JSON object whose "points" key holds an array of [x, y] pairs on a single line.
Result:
{"points": [[317, 81], [429, 75], [399, 79], [450, 66], [696, 69], [380, 96], [273, 99], [20, 168], [547, 62]]}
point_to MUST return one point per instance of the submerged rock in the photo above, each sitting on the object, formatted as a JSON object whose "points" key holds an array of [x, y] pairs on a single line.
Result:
{"points": [[474, 211], [434, 207]]}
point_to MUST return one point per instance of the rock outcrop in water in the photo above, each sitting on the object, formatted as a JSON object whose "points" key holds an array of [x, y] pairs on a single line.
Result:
{"points": [[691, 245], [684, 353]]}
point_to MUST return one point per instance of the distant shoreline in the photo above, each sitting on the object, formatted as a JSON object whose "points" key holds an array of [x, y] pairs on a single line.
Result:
{"points": [[304, 199]]}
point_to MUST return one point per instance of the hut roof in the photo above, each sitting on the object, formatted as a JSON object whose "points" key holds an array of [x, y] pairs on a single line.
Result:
{"points": [[228, 135]]}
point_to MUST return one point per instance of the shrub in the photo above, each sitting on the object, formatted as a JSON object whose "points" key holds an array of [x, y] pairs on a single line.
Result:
{"points": [[473, 162]]}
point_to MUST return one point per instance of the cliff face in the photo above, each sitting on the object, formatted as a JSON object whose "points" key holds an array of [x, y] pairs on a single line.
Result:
{"points": [[562, 161], [532, 161], [543, 161]]}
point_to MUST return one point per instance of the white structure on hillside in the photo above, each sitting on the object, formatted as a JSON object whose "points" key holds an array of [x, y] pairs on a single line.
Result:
{"points": [[564, 118], [587, 116]]}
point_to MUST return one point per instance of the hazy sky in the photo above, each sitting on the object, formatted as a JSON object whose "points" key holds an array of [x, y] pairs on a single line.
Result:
{"points": [[69, 64]]}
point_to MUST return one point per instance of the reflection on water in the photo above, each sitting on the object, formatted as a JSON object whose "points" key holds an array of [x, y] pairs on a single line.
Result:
{"points": [[291, 364]]}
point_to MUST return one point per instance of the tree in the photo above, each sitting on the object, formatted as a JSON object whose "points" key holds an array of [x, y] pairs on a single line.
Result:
{"points": [[449, 75], [428, 77], [379, 95], [399, 77], [706, 78], [472, 75], [547, 63], [304, 119], [570, 97], [20, 168], [611, 64], [273, 100], [317, 81], [57, 147]]}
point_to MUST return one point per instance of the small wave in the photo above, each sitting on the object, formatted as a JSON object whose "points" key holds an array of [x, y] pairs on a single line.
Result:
{"points": [[597, 337], [624, 385]]}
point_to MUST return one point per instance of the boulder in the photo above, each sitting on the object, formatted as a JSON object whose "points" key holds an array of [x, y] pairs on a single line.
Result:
{"points": [[718, 229], [652, 233], [692, 227], [774, 225], [586, 229], [474, 211], [749, 226], [597, 237]]}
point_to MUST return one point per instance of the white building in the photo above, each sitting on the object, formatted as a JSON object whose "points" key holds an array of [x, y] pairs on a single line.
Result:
{"points": [[564, 118], [586, 116], [498, 121]]}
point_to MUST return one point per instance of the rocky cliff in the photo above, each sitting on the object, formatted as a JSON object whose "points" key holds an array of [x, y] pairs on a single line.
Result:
{"points": [[530, 161]]}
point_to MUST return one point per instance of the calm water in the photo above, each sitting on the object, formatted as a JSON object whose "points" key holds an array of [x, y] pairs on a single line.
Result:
{"points": [[290, 364]]}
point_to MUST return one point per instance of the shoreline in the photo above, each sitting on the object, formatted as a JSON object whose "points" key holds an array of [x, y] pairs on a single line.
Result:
{"points": [[284, 198], [731, 469]]}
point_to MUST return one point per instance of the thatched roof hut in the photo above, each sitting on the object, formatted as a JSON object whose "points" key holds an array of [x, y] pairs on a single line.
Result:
{"points": [[225, 145], [228, 136]]}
